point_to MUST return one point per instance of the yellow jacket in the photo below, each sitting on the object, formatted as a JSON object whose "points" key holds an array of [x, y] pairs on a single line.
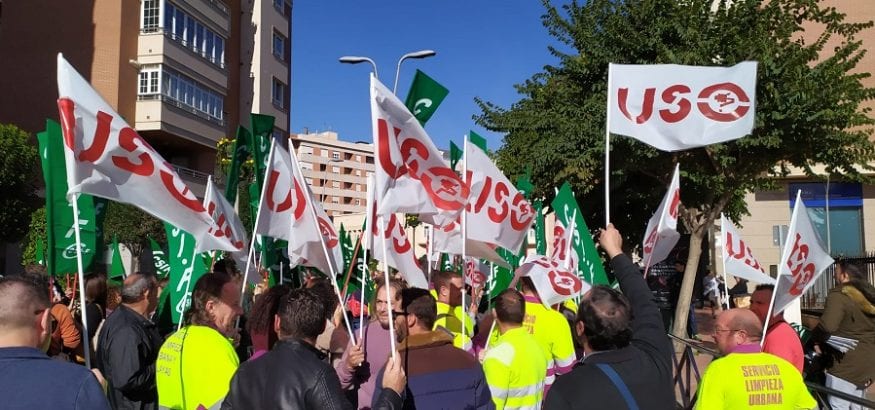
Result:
{"points": [[194, 368], [515, 370]]}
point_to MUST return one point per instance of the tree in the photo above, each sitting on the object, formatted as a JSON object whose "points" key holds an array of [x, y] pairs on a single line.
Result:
{"points": [[19, 164], [808, 103], [36, 231], [132, 226]]}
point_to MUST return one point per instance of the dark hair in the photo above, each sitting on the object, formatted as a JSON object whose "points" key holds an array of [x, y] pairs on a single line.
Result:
{"points": [[20, 298], [607, 319], [765, 286], [207, 288], [302, 315], [323, 288], [526, 285], [419, 303], [510, 307], [136, 285], [95, 288], [393, 283], [226, 265], [858, 280], [266, 307]]}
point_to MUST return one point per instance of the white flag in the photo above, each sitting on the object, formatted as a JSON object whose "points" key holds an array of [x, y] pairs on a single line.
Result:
{"points": [[675, 107], [448, 239], [309, 239], [738, 259], [802, 261], [400, 251], [105, 157], [282, 199], [476, 273], [498, 212], [411, 175], [554, 283], [661, 234], [229, 223]]}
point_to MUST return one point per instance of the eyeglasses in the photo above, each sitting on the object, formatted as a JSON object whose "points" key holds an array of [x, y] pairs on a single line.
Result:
{"points": [[718, 331], [395, 313]]}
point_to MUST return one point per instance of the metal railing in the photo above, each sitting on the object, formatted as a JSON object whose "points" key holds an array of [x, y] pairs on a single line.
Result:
{"points": [[190, 173], [815, 297], [686, 371]]}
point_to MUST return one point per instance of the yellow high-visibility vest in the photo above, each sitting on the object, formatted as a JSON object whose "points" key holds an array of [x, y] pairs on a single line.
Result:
{"points": [[515, 370], [194, 368]]}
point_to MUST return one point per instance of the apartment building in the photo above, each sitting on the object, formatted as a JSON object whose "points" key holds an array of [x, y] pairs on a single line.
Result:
{"points": [[183, 73], [335, 170]]}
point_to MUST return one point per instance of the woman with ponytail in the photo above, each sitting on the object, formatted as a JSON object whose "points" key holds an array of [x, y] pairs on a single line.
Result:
{"points": [[850, 313]]}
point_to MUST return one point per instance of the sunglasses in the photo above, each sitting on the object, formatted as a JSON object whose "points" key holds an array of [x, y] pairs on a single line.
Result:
{"points": [[394, 313]]}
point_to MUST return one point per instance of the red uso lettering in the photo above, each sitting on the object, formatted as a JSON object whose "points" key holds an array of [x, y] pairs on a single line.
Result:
{"points": [[675, 200], [286, 203], [385, 154], [172, 182], [564, 283], [800, 268], [445, 188], [396, 232], [651, 240], [559, 245], [327, 230], [722, 95], [499, 212], [521, 213], [128, 139]]}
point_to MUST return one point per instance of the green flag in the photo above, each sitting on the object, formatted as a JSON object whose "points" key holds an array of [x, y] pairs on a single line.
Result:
{"points": [[540, 228], [117, 268], [61, 254], [500, 277], [524, 184], [477, 141], [359, 265], [455, 155], [424, 97], [162, 268], [589, 267], [262, 132], [40, 252], [242, 150], [185, 269]]}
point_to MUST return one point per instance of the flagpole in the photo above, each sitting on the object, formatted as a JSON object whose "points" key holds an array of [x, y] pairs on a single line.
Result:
{"points": [[355, 254], [769, 312], [367, 243], [608, 153], [185, 296], [464, 239], [328, 258], [86, 343], [281, 272], [257, 218], [428, 249], [382, 226], [725, 279]]}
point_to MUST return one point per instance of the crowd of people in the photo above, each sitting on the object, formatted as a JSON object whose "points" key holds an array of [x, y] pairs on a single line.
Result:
{"points": [[294, 351]]}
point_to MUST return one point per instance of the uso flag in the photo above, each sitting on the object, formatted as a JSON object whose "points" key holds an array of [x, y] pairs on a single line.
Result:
{"points": [[675, 107]]}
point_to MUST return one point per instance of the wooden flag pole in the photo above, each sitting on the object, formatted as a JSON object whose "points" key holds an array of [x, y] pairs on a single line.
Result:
{"points": [[355, 253], [86, 343]]}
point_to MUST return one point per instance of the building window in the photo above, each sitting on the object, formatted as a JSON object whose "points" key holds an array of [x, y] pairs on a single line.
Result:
{"points": [[278, 93], [845, 214], [335, 184], [149, 80], [192, 34], [335, 155], [279, 46], [335, 170], [358, 202], [150, 14], [182, 90]]}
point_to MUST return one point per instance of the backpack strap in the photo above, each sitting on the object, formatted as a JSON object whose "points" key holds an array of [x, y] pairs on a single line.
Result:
{"points": [[619, 384]]}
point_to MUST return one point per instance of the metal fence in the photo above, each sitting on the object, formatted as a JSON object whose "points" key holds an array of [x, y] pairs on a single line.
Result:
{"points": [[815, 297]]}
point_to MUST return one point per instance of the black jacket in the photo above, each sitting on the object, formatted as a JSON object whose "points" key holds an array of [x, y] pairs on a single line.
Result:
{"points": [[127, 348], [290, 376], [644, 365]]}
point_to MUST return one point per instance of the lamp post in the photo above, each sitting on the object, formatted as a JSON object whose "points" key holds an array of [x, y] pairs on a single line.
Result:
{"points": [[415, 54], [357, 60]]}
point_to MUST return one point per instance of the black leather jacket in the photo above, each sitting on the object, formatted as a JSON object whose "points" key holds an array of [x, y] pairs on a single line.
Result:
{"points": [[291, 376]]}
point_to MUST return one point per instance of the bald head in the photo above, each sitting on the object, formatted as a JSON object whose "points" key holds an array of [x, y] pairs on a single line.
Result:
{"points": [[736, 327], [510, 307], [135, 287], [744, 319]]}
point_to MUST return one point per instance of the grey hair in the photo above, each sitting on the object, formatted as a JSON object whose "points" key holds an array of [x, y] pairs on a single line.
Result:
{"points": [[136, 286]]}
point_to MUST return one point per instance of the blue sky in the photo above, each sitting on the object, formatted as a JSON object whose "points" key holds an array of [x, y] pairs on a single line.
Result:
{"points": [[483, 49]]}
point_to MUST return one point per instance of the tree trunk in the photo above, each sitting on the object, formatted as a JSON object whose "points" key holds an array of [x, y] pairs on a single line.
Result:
{"points": [[689, 281]]}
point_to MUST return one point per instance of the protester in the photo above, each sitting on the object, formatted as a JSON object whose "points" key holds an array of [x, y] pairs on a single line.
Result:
{"points": [[439, 375], [515, 367], [128, 346], [737, 292], [66, 338], [628, 357], [448, 288], [195, 364], [746, 377], [394, 384], [293, 375], [29, 378], [358, 366], [95, 301], [849, 312], [680, 267], [326, 291], [781, 340], [551, 331], [711, 293], [261, 318]]}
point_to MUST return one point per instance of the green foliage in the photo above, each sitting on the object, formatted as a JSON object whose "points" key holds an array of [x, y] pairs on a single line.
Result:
{"points": [[808, 103], [19, 167], [133, 227], [35, 231]]}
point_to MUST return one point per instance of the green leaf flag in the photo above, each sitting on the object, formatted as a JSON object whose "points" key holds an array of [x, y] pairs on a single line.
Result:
{"points": [[61, 253], [540, 228], [242, 151], [477, 140], [589, 267], [262, 132], [40, 252], [117, 268], [424, 97], [162, 268]]}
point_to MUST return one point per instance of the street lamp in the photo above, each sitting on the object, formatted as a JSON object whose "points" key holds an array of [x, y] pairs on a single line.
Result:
{"points": [[357, 60], [415, 54]]}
